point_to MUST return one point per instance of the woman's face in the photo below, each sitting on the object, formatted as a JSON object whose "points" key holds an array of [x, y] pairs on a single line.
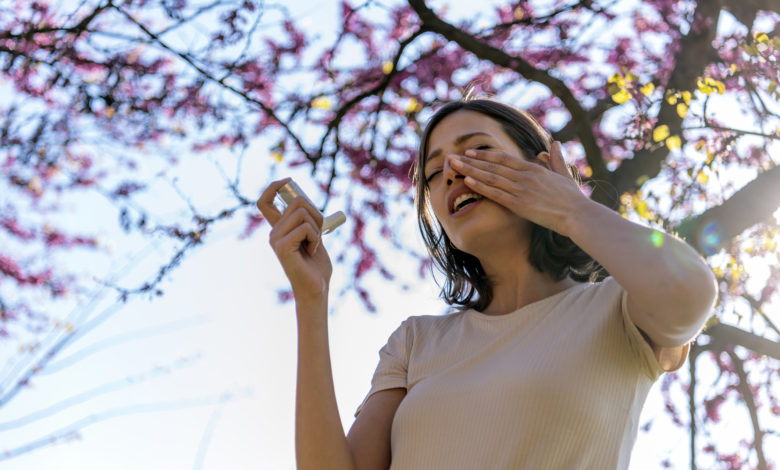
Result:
{"points": [[475, 226]]}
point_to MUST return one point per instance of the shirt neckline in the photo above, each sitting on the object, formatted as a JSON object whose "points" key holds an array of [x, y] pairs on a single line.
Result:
{"points": [[531, 306]]}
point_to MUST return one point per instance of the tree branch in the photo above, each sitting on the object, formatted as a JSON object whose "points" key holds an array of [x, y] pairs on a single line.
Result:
{"points": [[694, 354], [695, 53], [219, 81], [723, 336], [756, 201], [579, 116], [747, 395]]}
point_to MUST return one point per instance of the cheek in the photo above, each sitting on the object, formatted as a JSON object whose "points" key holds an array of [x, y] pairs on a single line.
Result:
{"points": [[436, 202]]}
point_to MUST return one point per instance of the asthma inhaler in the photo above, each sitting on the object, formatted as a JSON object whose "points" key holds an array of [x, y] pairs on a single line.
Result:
{"points": [[287, 193]]}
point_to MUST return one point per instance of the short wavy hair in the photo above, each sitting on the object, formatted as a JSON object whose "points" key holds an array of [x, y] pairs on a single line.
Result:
{"points": [[466, 284]]}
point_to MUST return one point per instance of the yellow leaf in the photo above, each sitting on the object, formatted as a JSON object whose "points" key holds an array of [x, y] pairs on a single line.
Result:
{"points": [[718, 271], [770, 244], [672, 99], [621, 97], [686, 96], [387, 67], [631, 77], [641, 209], [647, 89], [412, 105], [35, 185], [682, 109], [761, 37], [320, 102], [734, 68], [673, 142], [704, 87], [700, 144], [702, 178], [519, 13], [710, 156], [660, 133], [587, 172], [616, 78], [708, 85], [276, 156]]}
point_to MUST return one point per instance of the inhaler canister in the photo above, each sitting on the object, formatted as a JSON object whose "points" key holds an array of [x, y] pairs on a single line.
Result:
{"points": [[287, 193]]}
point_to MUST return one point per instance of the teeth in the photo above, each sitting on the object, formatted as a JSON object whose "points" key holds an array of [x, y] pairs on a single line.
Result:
{"points": [[464, 197]]}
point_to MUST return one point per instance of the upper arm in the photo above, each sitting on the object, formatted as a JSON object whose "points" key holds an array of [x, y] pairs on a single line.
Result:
{"points": [[674, 315], [669, 356], [369, 437], [667, 330]]}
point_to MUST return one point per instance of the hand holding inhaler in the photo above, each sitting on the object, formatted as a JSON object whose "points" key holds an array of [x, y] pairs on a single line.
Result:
{"points": [[287, 194], [297, 227]]}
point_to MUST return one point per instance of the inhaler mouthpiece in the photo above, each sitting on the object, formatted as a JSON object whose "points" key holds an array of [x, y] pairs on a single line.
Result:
{"points": [[287, 193]]}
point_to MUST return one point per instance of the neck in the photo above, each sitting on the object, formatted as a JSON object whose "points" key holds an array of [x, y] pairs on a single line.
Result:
{"points": [[515, 282]]}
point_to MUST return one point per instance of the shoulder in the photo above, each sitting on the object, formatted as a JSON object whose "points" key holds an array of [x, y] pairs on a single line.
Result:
{"points": [[419, 324], [656, 359], [605, 295]]}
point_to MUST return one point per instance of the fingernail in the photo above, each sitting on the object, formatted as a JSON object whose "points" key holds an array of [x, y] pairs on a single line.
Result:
{"points": [[470, 152]]}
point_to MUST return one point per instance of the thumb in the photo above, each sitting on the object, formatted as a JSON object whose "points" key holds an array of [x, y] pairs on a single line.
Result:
{"points": [[557, 163]]}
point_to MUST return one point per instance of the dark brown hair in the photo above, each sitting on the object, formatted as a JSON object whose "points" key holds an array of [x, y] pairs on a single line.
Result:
{"points": [[466, 283]]}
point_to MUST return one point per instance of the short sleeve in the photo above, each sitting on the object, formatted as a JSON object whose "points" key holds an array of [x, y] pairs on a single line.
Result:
{"points": [[393, 363], [671, 358]]}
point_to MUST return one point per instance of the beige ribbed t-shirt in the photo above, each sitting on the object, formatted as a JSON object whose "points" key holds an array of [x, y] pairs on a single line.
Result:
{"points": [[557, 384]]}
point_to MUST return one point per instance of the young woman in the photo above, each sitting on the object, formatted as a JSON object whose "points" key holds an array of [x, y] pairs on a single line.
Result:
{"points": [[536, 368]]}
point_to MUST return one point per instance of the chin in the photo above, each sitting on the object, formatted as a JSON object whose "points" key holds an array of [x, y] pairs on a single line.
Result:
{"points": [[481, 237]]}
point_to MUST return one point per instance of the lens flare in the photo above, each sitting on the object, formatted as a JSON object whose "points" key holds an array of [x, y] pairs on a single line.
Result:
{"points": [[710, 238], [657, 238]]}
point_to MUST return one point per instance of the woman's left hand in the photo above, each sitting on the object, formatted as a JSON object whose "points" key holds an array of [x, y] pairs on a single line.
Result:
{"points": [[545, 196]]}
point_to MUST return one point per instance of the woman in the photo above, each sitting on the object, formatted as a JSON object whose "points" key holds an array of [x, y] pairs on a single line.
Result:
{"points": [[536, 369]]}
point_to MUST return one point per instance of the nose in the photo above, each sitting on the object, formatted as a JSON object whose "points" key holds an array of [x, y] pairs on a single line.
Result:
{"points": [[449, 172]]}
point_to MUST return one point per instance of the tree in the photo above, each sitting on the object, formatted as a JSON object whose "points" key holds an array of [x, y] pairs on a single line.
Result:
{"points": [[667, 109]]}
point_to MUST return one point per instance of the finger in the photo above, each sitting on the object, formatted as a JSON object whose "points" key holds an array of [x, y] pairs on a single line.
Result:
{"points": [[490, 192], [305, 204], [466, 166], [490, 177], [301, 238], [557, 162], [266, 201], [501, 158], [291, 219]]}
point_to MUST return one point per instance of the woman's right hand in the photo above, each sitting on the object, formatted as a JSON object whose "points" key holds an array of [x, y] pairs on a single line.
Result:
{"points": [[296, 238]]}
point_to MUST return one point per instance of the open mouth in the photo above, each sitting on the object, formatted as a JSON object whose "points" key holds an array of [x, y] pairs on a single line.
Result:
{"points": [[463, 201]]}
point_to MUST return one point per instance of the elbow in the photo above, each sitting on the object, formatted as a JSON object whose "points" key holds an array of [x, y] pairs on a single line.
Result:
{"points": [[702, 294], [695, 299]]}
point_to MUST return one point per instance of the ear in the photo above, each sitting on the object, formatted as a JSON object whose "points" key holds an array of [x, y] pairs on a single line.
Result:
{"points": [[544, 159]]}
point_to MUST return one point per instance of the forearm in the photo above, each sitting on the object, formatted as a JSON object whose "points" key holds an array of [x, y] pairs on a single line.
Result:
{"points": [[320, 442], [668, 283]]}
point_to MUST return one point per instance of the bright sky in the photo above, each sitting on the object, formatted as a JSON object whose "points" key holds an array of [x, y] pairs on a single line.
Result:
{"points": [[204, 377]]}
